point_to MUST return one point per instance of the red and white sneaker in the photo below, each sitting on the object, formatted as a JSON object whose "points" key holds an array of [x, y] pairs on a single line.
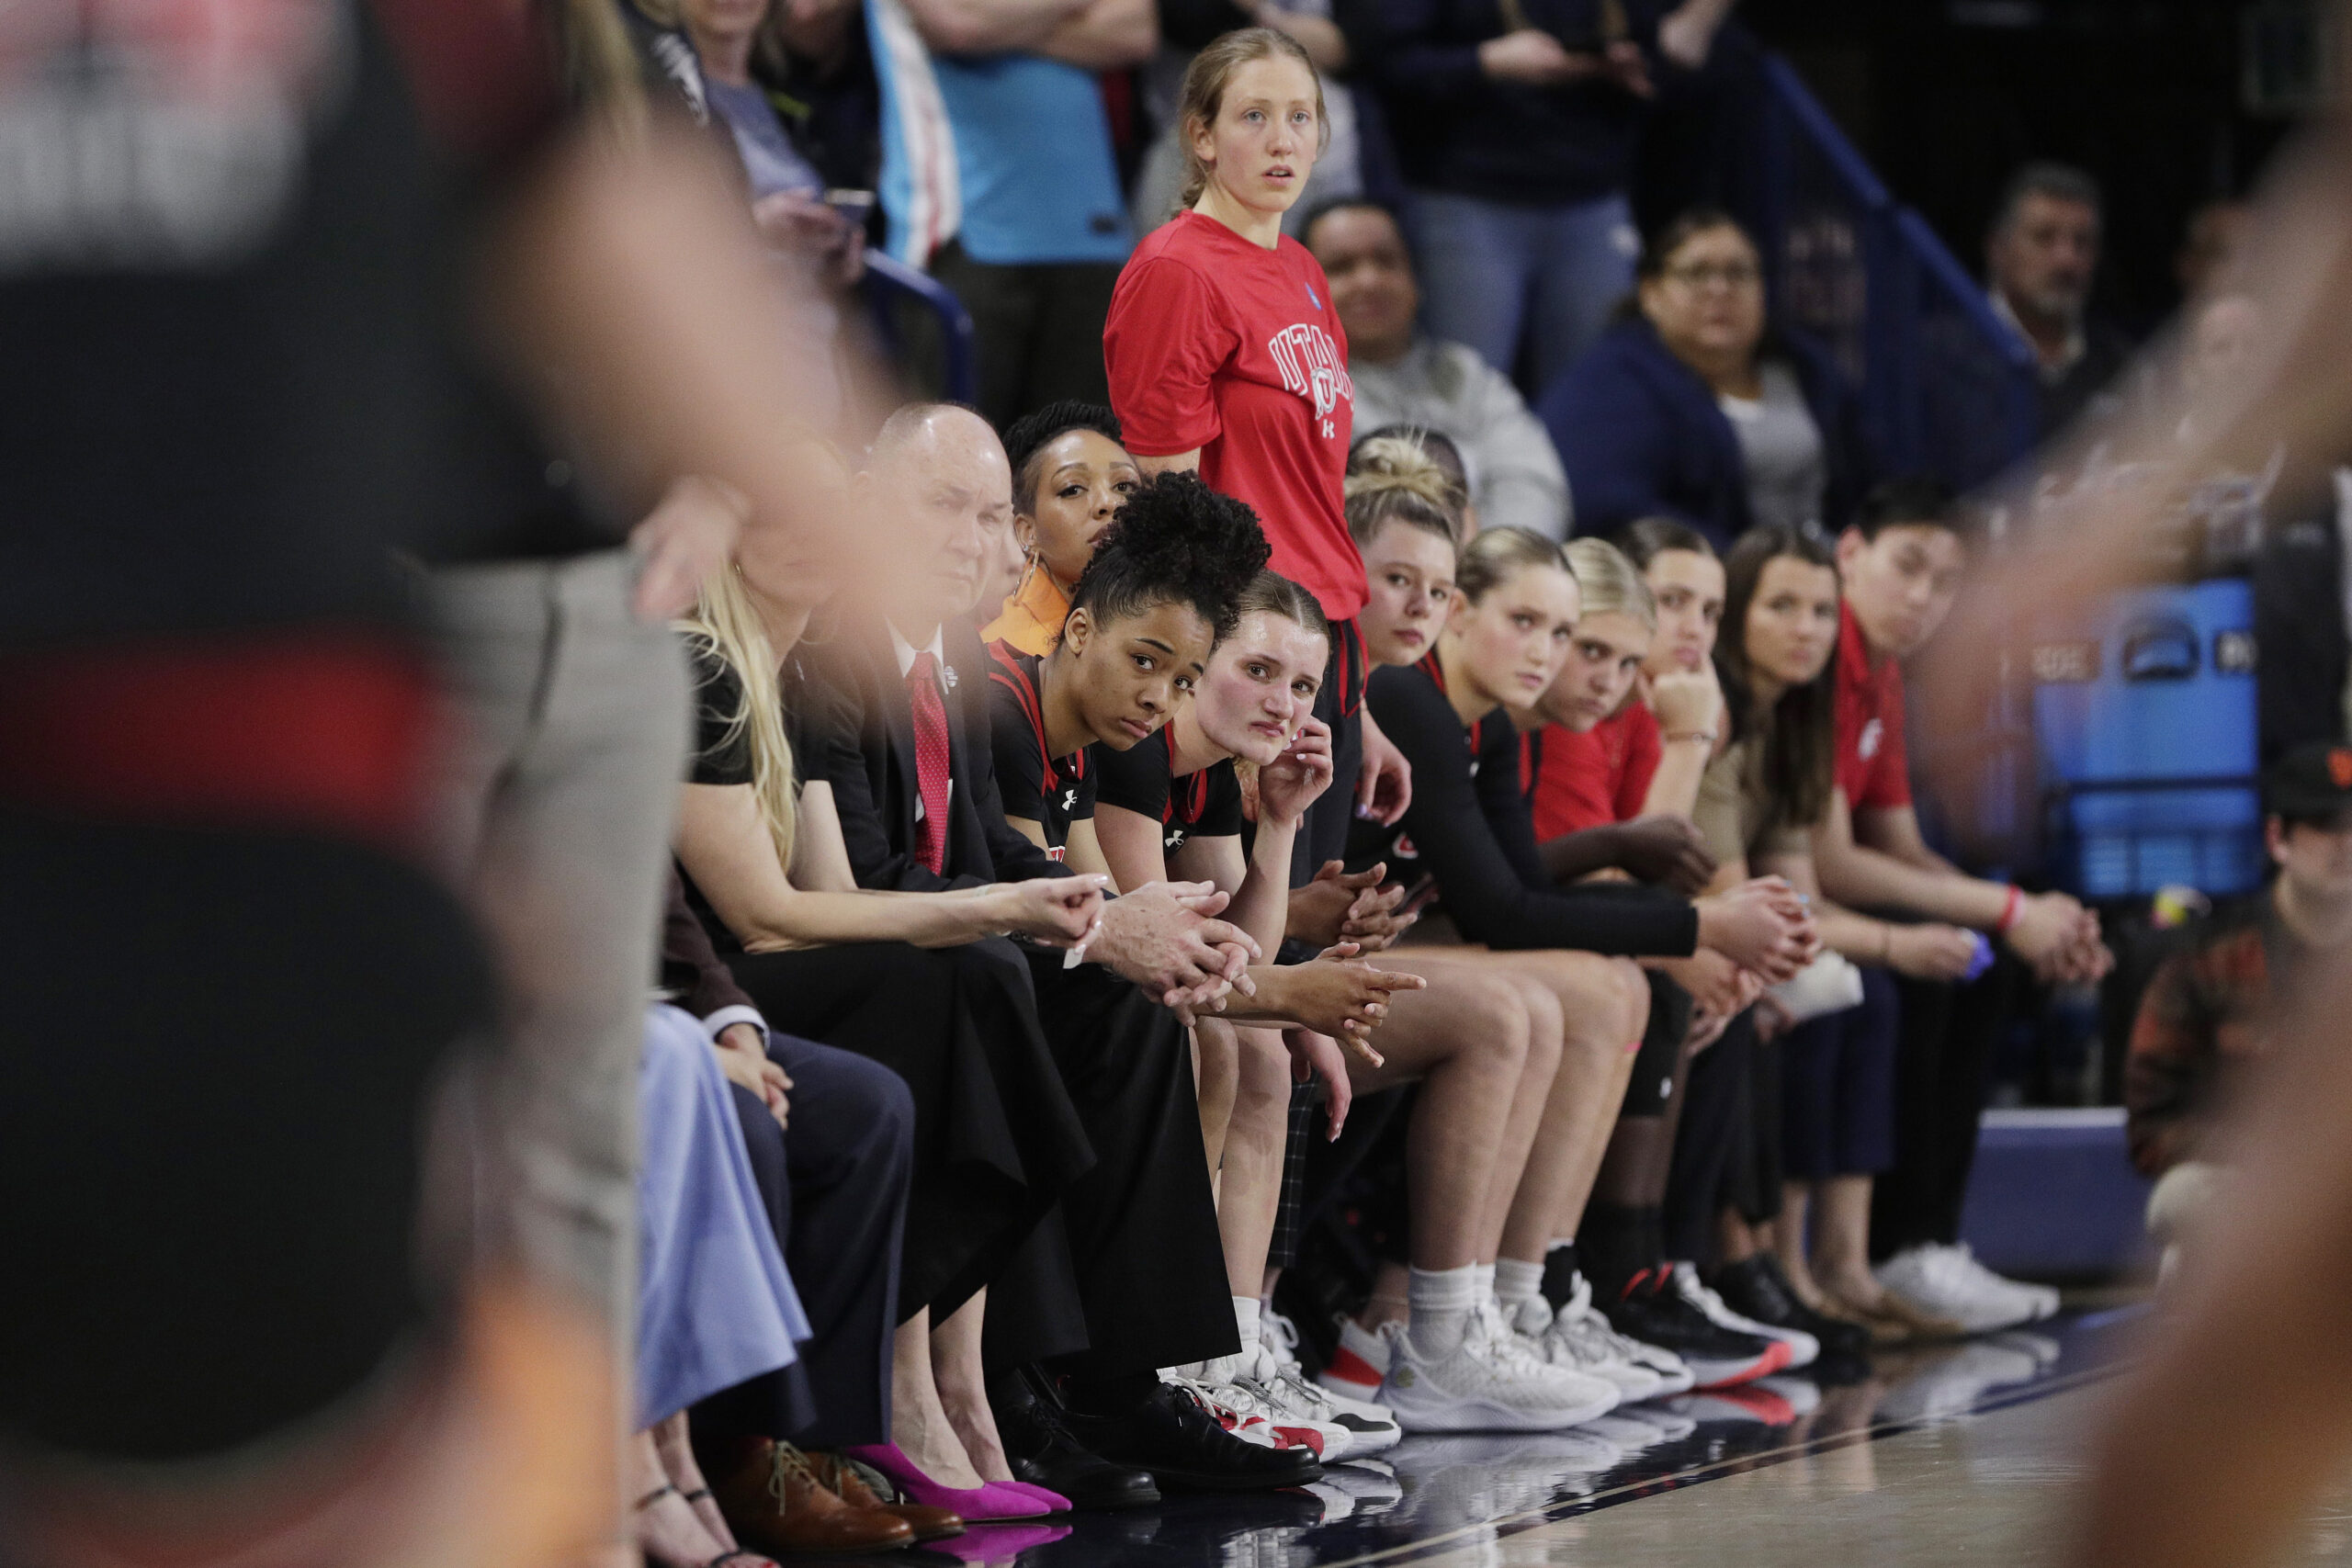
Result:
{"points": [[1243, 1409], [1372, 1428], [1361, 1363]]}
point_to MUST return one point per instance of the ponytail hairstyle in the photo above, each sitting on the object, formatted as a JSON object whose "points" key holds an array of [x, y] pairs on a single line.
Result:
{"points": [[1175, 541], [1202, 96], [724, 624], [1797, 735], [1497, 555], [1611, 584], [1394, 478]]}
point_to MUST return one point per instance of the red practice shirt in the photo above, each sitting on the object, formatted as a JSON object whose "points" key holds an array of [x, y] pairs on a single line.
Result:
{"points": [[1599, 777], [1873, 768], [1218, 343]]}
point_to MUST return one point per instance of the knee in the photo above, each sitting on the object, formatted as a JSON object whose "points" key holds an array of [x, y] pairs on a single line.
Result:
{"points": [[867, 1095], [1495, 1026], [1263, 1079], [1217, 1049], [1634, 994], [1547, 1028]]}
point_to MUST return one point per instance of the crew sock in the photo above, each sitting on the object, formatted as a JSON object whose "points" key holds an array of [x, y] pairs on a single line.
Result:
{"points": [[1442, 1302]]}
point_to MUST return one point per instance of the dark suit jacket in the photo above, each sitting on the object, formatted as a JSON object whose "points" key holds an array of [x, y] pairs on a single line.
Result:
{"points": [[866, 752]]}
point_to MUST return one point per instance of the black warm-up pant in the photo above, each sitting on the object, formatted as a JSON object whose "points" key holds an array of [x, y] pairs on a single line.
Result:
{"points": [[996, 1137], [1140, 1227], [835, 1189], [1948, 1036], [1711, 1137]]}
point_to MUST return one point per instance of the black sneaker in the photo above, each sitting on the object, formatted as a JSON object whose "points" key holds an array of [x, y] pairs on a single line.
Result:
{"points": [[1174, 1436], [1035, 1431], [1651, 1310], [1757, 1289]]}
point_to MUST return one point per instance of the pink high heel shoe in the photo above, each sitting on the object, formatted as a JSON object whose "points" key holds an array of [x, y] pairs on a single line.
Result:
{"points": [[976, 1505]]}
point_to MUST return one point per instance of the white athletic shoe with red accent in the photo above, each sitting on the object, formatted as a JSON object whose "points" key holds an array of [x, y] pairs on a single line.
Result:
{"points": [[1361, 1363], [1372, 1428]]}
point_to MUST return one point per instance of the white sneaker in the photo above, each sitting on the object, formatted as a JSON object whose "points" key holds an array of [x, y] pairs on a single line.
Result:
{"points": [[1371, 1429], [1488, 1384], [1948, 1282], [1803, 1348], [1244, 1411], [1361, 1363], [1577, 1337], [1294, 1405]]}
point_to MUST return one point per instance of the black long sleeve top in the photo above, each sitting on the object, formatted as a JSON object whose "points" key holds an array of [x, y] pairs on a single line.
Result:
{"points": [[1470, 827]]}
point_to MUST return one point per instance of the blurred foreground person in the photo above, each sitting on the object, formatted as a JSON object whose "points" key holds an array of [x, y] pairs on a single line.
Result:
{"points": [[238, 991]]}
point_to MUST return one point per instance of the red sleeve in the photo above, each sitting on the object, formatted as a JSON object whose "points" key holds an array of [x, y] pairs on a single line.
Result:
{"points": [[1889, 788], [1163, 344], [1643, 750]]}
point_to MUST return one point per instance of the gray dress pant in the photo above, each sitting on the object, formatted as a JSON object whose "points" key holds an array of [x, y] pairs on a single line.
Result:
{"points": [[559, 800]]}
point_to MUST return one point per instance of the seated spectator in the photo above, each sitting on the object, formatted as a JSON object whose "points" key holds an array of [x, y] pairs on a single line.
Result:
{"points": [[909, 982], [1825, 1094], [1899, 565], [2207, 1023], [2042, 256], [998, 175], [1505, 634], [1069, 474], [1518, 135], [834, 1192], [1404, 377], [1692, 408], [1142, 1230]]}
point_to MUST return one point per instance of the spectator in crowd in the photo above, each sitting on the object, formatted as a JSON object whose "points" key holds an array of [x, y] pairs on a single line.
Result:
{"points": [[938, 485], [1900, 564], [2041, 258], [1226, 357], [2206, 1025], [1518, 134], [1404, 377], [1692, 408], [2303, 647], [835, 1192], [1825, 1097], [998, 175], [1069, 476], [2212, 248], [1506, 632]]}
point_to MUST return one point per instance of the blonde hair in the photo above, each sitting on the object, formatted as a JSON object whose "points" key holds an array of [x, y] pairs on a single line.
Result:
{"points": [[1609, 583], [1202, 95], [1497, 555], [1393, 479], [724, 624], [599, 68]]}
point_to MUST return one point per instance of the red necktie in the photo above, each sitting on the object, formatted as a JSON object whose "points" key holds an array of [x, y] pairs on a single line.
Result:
{"points": [[931, 761]]}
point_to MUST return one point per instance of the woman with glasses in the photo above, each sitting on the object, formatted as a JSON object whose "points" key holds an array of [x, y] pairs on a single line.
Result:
{"points": [[1693, 407]]}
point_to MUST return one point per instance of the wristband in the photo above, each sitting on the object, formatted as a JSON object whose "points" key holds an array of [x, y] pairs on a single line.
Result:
{"points": [[2010, 912], [1706, 735]]}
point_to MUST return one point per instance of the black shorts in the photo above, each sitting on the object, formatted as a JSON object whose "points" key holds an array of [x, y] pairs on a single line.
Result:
{"points": [[1324, 835], [1661, 1054]]}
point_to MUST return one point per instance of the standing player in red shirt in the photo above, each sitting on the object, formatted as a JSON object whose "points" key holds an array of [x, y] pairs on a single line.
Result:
{"points": [[1226, 356], [1900, 563]]}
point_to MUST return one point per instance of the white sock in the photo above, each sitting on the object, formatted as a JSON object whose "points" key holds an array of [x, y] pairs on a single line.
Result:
{"points": [[1245, 1319], [1516, 1281], [1485, 1280], [1442, 1301]]}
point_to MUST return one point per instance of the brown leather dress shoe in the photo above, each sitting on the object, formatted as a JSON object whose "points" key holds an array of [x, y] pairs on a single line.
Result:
{"points": [[775, 1503], [930, 1524]]}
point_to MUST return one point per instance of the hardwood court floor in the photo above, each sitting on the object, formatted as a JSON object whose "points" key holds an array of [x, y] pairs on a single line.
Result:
{"points": [[1964, 1454]]}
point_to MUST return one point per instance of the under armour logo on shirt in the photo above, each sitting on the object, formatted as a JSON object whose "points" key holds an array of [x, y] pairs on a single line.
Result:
{"points": [[1069, 800]]}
